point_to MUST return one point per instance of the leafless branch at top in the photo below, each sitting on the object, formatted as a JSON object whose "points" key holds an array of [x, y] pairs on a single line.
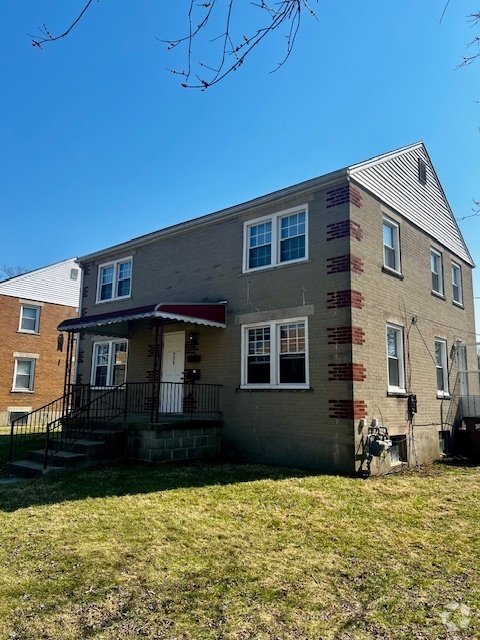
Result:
{"points": [[46, 36]]}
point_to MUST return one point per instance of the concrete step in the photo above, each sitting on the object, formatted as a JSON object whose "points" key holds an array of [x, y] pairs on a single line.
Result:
{"points": [[30, 469], [59, 459]]}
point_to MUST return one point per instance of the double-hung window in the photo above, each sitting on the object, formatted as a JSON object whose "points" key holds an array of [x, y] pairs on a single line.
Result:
{"points": [[29, 319], [114, 280], [395, 359], [275, 354], [24, 374], [441, 367], [457, 283], [437, 271], [391, 245], [109, 363], [277, 239]]}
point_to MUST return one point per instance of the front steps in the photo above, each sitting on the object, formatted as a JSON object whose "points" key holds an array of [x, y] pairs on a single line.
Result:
{"points": [[102, 445]]}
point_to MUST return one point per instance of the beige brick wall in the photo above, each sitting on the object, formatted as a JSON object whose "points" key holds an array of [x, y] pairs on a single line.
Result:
{"points": [[407, 302], [347, 299], [50, 364]]}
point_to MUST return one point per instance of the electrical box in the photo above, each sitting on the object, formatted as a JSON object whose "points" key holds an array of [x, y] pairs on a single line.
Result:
{"points": [[191, 375], [412, 404]]}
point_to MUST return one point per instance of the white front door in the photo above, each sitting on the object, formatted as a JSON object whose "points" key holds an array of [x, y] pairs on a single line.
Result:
{"points": [[173, 365]]}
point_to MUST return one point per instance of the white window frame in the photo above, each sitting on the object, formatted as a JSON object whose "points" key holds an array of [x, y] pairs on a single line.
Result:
{"points": [[276, 220], [110, 363], [37, 318], [437, 271], [274, 326], [115, 264], [400, 388], [443, 367], [31, 382], [457, 269], [395, 227]]}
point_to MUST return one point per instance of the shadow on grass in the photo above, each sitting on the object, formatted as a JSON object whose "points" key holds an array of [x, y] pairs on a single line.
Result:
{"points": [[133, 479]]}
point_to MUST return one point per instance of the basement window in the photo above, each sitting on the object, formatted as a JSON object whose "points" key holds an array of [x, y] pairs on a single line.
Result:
{"points": [[398, 452]]}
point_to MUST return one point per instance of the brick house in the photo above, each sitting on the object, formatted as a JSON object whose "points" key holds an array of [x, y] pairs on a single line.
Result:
{"points": [[335, 314], [31, 366]]}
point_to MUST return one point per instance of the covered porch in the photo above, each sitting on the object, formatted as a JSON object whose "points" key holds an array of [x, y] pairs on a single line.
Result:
{"points": [[150, 364]]}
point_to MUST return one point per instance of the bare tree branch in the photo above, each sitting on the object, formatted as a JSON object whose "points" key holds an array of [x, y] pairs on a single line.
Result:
{"points": [[46, 36], [474, 18], [234, 48], [476, 212], [7, 271]]}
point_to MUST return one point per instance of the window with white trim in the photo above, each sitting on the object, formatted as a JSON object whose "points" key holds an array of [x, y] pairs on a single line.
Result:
{"points": [[437, 271], [391, 245], [277, 239], [29, 319], [441, 365], [114, 280], [24, 374], [275, 354], [395, 359], [109, 363], [457, 283]]}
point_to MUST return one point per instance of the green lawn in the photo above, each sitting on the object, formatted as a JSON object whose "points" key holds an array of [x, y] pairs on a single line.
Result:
{"points": [[240, 552]]}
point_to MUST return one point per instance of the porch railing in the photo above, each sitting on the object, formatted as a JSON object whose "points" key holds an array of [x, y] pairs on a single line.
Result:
{"points": [[85, 408]]}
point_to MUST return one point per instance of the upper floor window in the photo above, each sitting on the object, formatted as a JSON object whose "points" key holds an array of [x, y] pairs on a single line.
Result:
{"points": [[457, 283], [441, 367], [275, 354], [24, 374], [437, 271], [109, 363], [114, 280], [395, 359], [391, 245], [29, 319], [276, 239]]}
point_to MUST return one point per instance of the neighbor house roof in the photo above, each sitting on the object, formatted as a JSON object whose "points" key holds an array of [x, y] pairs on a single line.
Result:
{"points": [[58, 283]]}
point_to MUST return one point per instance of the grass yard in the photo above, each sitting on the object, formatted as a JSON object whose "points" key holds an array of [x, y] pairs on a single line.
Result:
{"points": [[237, 552]]}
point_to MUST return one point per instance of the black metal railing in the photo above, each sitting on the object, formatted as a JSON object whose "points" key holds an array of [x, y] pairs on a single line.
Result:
{"points": [[84, 408]]}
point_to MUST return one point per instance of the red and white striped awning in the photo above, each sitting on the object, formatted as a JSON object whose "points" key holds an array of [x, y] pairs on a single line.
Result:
{"points": [[210, 314]]}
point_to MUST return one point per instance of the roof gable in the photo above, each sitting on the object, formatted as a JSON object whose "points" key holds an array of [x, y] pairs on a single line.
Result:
{"points": [[52, 284], [393, 177]]}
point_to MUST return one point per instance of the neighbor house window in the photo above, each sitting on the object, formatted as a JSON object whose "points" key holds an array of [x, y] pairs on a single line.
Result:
{"points": [[395, 360], [24, 374], [114, 280], [109, 364], [441, 367], [457, 283], [391, 245], [275, 354], [437, 273], [277, 239], [29, 319]]}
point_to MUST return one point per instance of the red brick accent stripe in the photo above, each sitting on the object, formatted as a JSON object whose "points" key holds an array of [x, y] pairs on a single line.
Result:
{"points": [[348, 409], [345, 194], [344, 229], [346, 335], [347, 298], [85, 292], [348, 262], [347, 371]]}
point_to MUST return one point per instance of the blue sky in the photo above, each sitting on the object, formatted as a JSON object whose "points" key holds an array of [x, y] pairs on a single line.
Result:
{"points": [[99, 143]]}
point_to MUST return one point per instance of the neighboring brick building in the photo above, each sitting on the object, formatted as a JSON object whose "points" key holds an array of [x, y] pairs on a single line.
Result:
{"points": [[348, 306], [32, 369]]}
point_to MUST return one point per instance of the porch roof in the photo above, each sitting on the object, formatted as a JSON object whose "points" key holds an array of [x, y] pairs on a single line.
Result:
{"points": [[211, 314]]}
